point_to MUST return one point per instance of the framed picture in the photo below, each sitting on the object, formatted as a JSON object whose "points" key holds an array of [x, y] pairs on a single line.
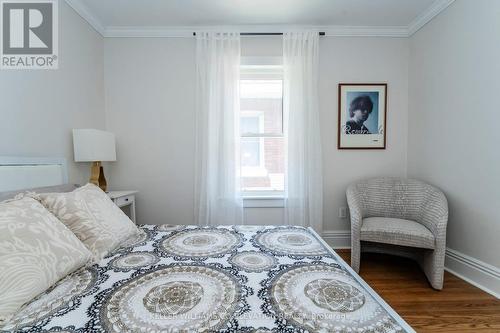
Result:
{"points": [[362, 115]]}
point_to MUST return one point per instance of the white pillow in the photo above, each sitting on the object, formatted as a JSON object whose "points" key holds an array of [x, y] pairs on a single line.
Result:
{"points": [[36, 250], [93, 217]]}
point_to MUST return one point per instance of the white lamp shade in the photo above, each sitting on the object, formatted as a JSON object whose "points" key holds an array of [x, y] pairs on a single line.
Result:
{"points": [[91, 145]]}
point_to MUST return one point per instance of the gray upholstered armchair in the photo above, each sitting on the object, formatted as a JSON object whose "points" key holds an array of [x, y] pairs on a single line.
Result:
{"points": [[400, 216]]}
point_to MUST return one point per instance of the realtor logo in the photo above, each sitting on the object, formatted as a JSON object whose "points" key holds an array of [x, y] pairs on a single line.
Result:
{"points": [[29, 34]]}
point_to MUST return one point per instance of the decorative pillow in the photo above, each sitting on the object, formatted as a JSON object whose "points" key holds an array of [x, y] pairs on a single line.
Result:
{"points": [[36, 250], [93, 217]]}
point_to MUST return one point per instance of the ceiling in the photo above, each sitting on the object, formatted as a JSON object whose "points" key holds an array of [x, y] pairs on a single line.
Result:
{"points": [[126, 15]]}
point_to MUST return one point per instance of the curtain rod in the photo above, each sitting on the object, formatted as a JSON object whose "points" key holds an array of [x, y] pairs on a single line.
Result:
{"points": [[322, 33]]}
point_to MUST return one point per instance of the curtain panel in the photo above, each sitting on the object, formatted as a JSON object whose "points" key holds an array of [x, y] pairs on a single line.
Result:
{"points": [[217, 191], [303, 188]]}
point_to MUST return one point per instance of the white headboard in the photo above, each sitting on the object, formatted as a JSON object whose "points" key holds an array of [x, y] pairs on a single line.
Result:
{"points": [[17, 173]]}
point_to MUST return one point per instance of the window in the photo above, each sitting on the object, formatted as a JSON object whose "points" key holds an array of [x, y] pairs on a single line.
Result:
{"points": [[252, 148], [261, 128]]}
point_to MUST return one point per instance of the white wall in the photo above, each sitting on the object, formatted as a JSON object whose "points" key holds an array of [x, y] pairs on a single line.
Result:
{"points": [[364, 60], [40, 107], [453, 127], [150, 92], [150, 107]]}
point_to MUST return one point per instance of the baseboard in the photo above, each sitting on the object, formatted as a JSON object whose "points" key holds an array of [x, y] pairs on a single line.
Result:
{"points": [[480, 274], [337, 239]]}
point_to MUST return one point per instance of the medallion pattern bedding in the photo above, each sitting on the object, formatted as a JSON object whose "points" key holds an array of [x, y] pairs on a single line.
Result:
{"points": [[212, 279]]}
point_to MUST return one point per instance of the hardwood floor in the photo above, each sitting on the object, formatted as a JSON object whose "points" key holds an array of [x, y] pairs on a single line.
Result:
{"points": [[459, 307]]}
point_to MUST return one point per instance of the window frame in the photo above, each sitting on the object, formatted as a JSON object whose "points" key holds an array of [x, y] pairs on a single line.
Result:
{"points": [[259, 170], [263, 68]]}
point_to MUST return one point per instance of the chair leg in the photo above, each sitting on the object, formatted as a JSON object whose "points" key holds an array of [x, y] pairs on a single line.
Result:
{"points": [[355, 254], [432, 264]]}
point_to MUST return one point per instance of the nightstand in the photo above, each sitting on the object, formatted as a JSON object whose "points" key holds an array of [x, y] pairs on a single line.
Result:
{"points": [[124, 199]]}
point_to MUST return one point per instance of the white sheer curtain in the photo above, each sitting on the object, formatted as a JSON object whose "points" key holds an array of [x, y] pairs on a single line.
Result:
{"points": [[303, 189], [217, 191]]}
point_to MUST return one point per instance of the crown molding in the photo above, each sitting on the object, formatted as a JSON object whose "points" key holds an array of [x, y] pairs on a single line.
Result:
{"points": [[426, 16], [148, 32], [81, 9], [187, 31], [365, 31]]}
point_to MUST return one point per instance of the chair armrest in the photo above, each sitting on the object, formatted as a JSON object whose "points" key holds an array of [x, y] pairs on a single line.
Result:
{"points": [[355, 203], [434, 215]]}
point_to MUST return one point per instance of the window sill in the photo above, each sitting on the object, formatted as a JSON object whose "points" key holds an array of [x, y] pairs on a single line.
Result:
{"points": [[263, 202]]}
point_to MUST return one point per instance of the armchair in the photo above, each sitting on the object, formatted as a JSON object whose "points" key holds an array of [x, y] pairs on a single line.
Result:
{"points": [[399, 216]]}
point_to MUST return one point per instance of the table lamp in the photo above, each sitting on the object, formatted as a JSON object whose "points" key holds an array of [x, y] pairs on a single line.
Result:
{"points": [[96, 146]]}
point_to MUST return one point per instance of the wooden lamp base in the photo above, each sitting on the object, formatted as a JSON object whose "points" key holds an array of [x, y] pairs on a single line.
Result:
{"points": [[97, 176]]}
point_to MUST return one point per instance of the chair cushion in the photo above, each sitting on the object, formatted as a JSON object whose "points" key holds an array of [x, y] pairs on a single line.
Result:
{"points": [[397, 231]]}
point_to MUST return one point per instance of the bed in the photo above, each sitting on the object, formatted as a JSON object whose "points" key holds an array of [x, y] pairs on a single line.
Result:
{"points": [[172, 278]]}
